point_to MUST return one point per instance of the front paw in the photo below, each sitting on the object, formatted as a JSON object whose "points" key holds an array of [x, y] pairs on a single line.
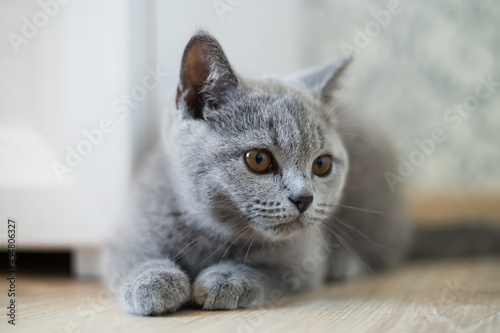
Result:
{"points": [[157, 291], [227, 287]]}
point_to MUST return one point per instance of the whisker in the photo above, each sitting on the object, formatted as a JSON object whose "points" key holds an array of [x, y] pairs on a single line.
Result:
{"points": [[333, 108], [364, 210], [347, 247], [248, 251], [356, 231], [339, 115], [324, 241], [240, 234], [224, 243], [188, 247]]}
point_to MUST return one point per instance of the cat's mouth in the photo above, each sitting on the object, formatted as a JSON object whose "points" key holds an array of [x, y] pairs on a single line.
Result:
{"points": [[286, 228]]}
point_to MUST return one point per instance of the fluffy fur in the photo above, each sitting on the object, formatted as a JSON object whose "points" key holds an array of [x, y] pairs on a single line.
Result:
{"points": [[202, 228]]}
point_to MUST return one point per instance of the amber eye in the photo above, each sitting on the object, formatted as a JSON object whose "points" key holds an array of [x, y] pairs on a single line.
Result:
{"points": [[258, 160], [322, 165]]}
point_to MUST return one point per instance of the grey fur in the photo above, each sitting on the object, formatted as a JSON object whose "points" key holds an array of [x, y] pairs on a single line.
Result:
{"points": [[159, 286], [200, 226], [227, 286]]}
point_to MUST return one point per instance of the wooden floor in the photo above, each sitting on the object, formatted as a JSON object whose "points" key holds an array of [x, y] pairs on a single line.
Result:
{"points": [[459, 295]]}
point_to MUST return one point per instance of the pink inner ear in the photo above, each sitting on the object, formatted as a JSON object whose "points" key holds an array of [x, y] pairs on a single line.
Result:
{"points": [[196, 68], [194, 72]]}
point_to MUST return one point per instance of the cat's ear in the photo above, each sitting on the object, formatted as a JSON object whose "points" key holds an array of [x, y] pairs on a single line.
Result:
{"points": [[206, 79], [323, 80]]}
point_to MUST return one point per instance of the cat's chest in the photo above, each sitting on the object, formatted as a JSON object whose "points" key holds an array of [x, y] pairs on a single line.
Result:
{"points": [[195, 250]]}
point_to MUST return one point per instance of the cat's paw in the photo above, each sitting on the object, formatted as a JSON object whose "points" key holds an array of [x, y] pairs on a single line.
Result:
{"points": [[157, 291], [227, 287]]}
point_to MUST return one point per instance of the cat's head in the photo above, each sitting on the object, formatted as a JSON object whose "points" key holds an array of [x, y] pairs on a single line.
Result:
{"points": [[257, 157]]}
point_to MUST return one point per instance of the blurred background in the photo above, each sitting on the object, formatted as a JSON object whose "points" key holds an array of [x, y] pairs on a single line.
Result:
{"points": [[83, 85]]}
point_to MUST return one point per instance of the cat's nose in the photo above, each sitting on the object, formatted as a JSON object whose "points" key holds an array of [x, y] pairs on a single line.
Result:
{"points": [[302, 202]]}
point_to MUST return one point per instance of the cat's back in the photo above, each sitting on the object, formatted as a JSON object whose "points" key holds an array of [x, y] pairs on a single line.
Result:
{"points": [[371, 207]]}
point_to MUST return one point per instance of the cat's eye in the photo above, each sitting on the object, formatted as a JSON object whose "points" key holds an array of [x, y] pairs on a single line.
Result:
{"points": [[322, 165], [258, 160]]}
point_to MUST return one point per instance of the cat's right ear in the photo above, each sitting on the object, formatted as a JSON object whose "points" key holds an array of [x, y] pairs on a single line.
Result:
{"points": [[323, 80], [206, 78]]}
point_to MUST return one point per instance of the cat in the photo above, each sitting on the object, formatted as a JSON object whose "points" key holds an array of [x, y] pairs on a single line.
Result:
{"points": [[257, 189]]}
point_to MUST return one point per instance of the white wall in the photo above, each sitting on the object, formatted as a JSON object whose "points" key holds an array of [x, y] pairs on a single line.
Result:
{"points": [[61, 81], [258, 36]]}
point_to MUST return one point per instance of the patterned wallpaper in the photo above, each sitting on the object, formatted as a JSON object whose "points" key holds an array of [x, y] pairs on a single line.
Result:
{"points": [[425, 70]]}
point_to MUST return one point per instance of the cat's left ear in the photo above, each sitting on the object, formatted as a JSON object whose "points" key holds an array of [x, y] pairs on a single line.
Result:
{"points": [[206, 79], [322, 81]]}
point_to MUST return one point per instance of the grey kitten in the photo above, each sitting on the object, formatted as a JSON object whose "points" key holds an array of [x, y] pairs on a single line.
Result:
{"points": [[259, 188]]}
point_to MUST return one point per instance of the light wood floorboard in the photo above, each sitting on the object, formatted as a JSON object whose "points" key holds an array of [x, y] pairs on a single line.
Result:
{"points": [[452, 295]]}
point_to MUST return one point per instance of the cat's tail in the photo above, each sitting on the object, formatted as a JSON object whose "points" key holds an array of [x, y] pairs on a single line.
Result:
{"points": [[461, 239]]}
